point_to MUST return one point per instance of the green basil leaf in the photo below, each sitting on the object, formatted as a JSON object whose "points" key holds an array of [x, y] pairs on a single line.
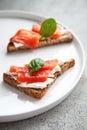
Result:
{"points": [[35, 65], [48, 27]]}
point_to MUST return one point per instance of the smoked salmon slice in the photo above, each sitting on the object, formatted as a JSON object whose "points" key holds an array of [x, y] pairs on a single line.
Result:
{"points": [[23, 73], [26, 37]]}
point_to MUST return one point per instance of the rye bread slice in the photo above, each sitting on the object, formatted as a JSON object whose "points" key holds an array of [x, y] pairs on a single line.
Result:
{"points": [[64, 38], [37, 93]]}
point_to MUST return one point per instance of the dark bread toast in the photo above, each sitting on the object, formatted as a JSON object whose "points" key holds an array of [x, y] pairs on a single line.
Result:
{"points": [[66, 37], [37, 93]]}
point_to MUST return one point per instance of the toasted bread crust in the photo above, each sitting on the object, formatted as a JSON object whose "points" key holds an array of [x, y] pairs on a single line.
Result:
{"points": [[37, 93], [66, 37]]}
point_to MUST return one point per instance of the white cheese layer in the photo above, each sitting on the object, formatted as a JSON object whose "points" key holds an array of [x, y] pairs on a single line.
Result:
{"points": [[56, 69], [41, 85], [18, 44], [38, 85], [63, 31]]}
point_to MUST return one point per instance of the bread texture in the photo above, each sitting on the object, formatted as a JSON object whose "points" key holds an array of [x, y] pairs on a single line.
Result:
{"points": [[37, 93], [65, 37]]}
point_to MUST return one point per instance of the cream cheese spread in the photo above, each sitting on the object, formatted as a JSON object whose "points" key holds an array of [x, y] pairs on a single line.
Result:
{"points": [[18, 44], [38, 85]]}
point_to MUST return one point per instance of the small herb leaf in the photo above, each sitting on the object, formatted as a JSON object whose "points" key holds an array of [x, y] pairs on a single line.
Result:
{"points": [[48, 27], [35, 65]]}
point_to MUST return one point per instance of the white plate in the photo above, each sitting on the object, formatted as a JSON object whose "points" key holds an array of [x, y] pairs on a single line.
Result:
{"points": [[15, 105]]}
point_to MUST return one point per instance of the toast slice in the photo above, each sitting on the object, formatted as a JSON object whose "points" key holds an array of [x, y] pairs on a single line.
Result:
{"points": [[37, 93], [64, 38]]}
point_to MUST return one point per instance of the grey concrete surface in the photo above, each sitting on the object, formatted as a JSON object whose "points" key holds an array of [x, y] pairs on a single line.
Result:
{"points": [[71, 114]]}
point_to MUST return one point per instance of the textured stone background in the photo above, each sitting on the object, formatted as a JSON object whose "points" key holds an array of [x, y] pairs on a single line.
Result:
{"points": [[71, 114]]}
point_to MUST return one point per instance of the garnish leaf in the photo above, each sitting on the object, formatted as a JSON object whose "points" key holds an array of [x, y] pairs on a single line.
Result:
{"points": [[48, 27], [35, 65]]}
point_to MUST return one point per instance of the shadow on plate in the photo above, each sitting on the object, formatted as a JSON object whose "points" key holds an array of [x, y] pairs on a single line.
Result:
{"points": [[7, 90]]}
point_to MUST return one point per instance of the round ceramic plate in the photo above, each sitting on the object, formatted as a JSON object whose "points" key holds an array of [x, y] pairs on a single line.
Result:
{"points": [[15, 105]]}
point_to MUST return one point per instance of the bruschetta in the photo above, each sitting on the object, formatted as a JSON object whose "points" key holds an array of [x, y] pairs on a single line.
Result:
{"points": [[36, 82], [31, 39]]}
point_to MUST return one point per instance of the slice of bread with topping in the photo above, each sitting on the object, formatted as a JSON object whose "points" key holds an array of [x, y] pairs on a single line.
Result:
{"points": [[66, 36], [34, 92]]}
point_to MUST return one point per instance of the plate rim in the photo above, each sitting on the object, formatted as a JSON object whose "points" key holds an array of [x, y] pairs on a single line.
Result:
{"points": [[20, 116]]}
